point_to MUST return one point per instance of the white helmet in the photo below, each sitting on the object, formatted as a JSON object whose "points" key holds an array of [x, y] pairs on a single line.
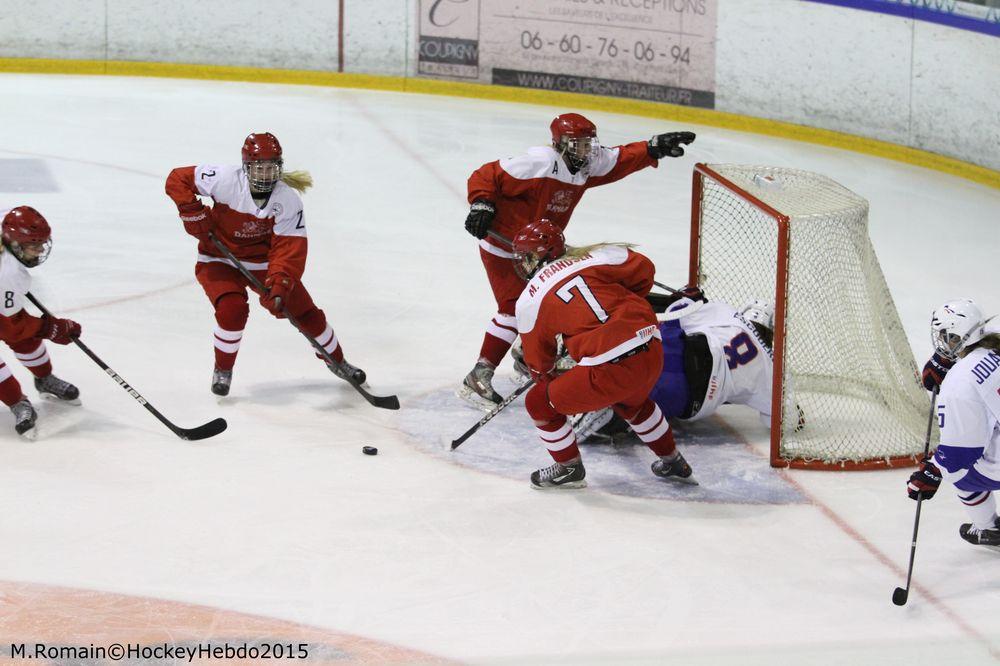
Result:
{"points": [[761, 312], [955, 325]]}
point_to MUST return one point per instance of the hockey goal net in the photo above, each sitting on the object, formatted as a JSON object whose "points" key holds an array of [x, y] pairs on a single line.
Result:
{"points": [[800, 241]]}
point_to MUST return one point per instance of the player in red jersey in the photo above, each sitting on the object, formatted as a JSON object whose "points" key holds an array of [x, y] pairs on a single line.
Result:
{"points": [[546, 182], [257, 214], [594, 297], [27, 240]]}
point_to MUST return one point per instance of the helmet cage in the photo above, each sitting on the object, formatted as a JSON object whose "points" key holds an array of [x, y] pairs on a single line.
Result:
{"points": [[263, 174], [577, 150], [29, 253], [527, 263], [954, 326]]}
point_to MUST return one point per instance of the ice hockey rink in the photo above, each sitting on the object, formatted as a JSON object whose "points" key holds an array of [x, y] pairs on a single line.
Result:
{"points": [[280, 529]]}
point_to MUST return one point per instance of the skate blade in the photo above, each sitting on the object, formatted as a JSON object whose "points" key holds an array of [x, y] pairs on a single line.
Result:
{"points": [[51, 397], [689, 481], [572, 485], [30, 435], [474, 399]]}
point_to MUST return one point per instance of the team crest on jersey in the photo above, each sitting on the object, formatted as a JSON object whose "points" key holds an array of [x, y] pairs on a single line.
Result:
{"points": [[561, 201], [253, 229], [278, 210]]}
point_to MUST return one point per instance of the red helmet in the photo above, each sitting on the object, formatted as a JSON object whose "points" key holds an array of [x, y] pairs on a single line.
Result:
{"points": [[574, 137], [572, 125], [536, 244], [262, 161], [261, 146], [27, 235]]}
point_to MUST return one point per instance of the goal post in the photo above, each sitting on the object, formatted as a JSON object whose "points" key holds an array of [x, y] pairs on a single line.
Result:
{"points": [[841, 358]]}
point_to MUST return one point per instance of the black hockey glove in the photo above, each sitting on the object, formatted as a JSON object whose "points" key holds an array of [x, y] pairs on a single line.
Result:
{"points": [[925, 480], [668, 145], [935, 370], [661, 302], [480, 218]]}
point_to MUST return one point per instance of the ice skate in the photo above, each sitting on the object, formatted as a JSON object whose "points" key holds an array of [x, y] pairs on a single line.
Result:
{"points": [[559, 475], [52, 387], [674, 468], [24, 418], [989, 537], [346, 370], [520, 367], [477, 388], [221, 379]]}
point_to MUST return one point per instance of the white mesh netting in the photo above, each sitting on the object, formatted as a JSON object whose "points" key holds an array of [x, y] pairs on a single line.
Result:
{"points": [[848, 364]]}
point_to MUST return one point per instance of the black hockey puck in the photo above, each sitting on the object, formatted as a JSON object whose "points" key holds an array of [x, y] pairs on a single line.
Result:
{"points": [[369, 450]]}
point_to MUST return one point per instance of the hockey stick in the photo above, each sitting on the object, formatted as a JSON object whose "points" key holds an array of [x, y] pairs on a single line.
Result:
{"points": [[899, 595], [496, 410], [205, 431], [500, 237], [385, 402], [663, 286]]}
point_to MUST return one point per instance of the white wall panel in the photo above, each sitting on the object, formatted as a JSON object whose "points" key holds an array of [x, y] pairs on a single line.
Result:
{"points": [[52, 29], [873, 75], [956, 94], [293, 34], [815, 65]]}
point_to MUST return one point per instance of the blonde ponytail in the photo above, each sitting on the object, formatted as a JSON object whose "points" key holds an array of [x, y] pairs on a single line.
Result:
{"points": [[574, 252], [297, 180]]}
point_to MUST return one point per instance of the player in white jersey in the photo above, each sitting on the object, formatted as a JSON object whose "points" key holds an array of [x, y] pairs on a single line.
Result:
{"points": [[27, 240], [713, 355], [968, 411]]}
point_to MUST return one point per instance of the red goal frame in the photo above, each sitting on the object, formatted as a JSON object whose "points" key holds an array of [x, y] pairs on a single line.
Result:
{"points": [[701, 171]]}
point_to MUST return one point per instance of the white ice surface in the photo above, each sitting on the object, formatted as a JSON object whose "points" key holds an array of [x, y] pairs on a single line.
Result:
{"points": [[283, 516]]}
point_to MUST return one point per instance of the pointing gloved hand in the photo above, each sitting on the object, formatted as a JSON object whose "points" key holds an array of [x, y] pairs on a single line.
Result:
{"points": [[669, 145]]}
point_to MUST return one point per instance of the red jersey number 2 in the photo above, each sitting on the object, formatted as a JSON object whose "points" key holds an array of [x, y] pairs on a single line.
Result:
{"points": [[565, 293]]}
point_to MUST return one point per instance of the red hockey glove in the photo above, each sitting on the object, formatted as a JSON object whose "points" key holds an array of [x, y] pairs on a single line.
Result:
{"points": [[59, 331], [197, 219], [935, 370], [543, 378], [277, 289], [925, 480]]}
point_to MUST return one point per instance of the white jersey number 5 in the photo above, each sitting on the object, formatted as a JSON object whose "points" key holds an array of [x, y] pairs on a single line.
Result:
{"points": [[565, 293]]}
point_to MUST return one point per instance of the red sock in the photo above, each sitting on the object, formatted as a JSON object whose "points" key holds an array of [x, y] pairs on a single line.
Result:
{"points": [[314, 323], [231, 313], [494, 349], [500, 335], [651, 427], [10, 389], [553, 428], [33, 355]]}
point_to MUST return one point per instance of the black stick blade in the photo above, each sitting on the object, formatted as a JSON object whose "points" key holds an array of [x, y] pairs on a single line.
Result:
{"points": [[383, 401], [899, 596], [210, 429]]}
